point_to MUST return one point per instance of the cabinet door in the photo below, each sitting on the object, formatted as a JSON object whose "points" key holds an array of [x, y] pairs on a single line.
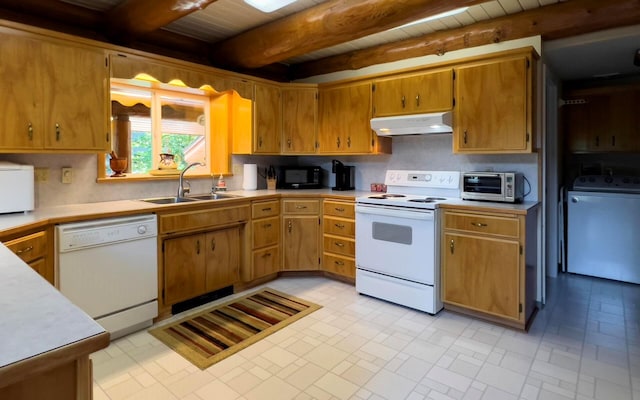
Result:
{"points": [[420, 93], [222, 258], [184, 268], [492, 106], [76, 109], [482, 274], [267, 124], [344, 119], [301, 241], [576, 126], [266, 262], [299, 120], [21, 86]]}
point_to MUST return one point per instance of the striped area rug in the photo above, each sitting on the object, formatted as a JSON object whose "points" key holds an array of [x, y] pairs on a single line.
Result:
{"points": [[216, 333]]}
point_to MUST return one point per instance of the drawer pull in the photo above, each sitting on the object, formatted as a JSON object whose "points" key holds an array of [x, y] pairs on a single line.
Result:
{"points": [[290, 226], [266, 226], [213, 245], [25, 250], [57, 132], [339, 226], [265, 255], [451, 246], [340, 209], [339, 244], [30, 131], [299, 207], [266, 209], [478, 224], [339, 262], [197, 247]]}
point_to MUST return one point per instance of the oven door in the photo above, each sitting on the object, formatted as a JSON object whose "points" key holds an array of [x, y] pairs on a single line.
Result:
{"points": [[396, 241]]}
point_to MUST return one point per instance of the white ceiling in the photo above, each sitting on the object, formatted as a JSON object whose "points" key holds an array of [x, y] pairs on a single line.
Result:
{"points": [[574, 58]]}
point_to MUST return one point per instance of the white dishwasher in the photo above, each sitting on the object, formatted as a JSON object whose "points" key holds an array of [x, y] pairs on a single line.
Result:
{"points": [[108, 268]]}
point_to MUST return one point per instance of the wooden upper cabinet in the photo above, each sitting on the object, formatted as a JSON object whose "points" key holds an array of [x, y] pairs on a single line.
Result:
{"points": [[344, 119], [299, 120], [413, 94], [602, 120], [56, 94], [267, 122], [493, 111]]}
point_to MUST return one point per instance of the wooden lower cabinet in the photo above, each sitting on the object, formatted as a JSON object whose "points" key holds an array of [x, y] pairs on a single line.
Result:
{"points": [[265, 239], [36, 249], [301, 235], [489, 263], [339, 244], [200, 263]]}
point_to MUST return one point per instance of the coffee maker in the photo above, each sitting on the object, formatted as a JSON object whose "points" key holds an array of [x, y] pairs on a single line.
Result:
{"points": [[345, 176]]}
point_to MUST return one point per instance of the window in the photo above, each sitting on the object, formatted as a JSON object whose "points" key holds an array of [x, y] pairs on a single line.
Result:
{"points": [[150, 119]]}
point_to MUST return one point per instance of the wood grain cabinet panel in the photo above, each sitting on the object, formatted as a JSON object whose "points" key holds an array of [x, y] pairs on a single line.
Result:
{"points": [[267, 122], [488, 264], [265, 239], [493, 111], [56, 94], [301, 234], [413, 94], [339, 245], [35, 249], [299, 120]]}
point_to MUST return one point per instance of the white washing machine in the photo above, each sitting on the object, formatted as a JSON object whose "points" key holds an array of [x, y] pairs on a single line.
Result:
{"points": [[603, 227]]}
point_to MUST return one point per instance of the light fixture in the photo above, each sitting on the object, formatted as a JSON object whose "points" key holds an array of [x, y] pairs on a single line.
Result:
{"points": [[268, 6], [434, 17]]}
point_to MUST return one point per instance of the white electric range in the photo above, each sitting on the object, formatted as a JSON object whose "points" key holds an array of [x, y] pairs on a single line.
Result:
{"points": [[397, 238]]}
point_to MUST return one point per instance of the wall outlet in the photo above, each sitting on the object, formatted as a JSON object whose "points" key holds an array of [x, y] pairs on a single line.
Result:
{"points": [[67, 175], [41, 174]]}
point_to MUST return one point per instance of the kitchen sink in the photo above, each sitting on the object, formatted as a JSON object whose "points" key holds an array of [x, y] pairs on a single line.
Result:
{"points": [[169, 200], [213, 196]]}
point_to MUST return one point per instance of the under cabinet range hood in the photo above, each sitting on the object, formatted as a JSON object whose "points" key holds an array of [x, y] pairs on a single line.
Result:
{"points": [[416, 124]]}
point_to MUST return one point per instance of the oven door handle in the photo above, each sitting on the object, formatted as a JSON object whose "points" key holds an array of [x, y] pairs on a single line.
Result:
{"points": [[397, 212]]}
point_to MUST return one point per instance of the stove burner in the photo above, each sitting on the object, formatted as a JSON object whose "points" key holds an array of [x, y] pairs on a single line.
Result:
{"points": [[427, 199], [387, 196]]}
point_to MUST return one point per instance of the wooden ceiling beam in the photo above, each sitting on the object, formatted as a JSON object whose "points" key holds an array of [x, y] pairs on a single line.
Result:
{"points": [[554, 21], [133, 18], [324, 25]]}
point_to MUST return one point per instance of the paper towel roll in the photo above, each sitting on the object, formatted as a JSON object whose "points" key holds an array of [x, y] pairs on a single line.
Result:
{"points": [[250, 177]]}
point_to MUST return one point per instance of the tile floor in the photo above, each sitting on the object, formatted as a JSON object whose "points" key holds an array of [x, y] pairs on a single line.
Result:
{"points": [[584, 344]]}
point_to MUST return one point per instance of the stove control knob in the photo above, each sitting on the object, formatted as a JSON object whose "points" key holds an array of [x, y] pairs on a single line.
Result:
{"points": [[608, 179]]}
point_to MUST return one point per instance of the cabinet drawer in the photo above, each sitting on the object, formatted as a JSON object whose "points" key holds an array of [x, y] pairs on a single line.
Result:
{"points": [[30, 247], [266, 232], [266, 261], [301, 206], [340, 265], [264, 209], [494, 225], [338, 209], [192, 220], [337, 226], [336, 244]]}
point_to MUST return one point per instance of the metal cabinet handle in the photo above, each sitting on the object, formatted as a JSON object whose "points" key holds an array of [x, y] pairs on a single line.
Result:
{"points": [[348, 141], [289, 143], [339, 244], [339, 209], [464, 136], [338, 142], [339, 226], [290, 226], [403, 101], [213, 244], [266, 226], [299, 207], [30, 131], [197, 246], [451, 245], [57, 132], [339, 262], [260, 141], [266, 209], [478, 224], [25, 250], [265, 255], [417, 100]]}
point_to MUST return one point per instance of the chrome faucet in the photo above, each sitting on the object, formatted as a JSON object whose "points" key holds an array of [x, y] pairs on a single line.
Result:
{"points": [[181, 189]]}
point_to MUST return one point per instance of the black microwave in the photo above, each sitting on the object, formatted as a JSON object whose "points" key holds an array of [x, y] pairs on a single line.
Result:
{"points": [[300, 178]]}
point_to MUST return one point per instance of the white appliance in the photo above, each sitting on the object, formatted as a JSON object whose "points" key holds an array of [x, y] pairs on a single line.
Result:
{"points": [[603, 232], [415, 124], [108, 268], [17, 181], [397, 238]]}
